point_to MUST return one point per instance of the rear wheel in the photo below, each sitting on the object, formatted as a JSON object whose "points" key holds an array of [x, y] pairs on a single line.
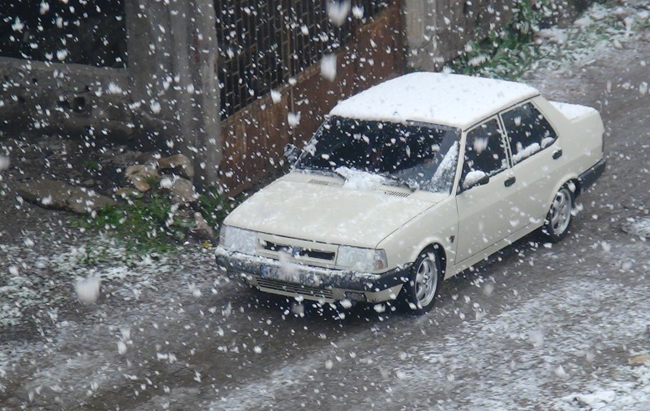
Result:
{"points": [[419, 293], [558, 220]]}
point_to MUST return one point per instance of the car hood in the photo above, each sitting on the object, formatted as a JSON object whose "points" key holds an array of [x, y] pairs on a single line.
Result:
{"points": [[323, 210]]}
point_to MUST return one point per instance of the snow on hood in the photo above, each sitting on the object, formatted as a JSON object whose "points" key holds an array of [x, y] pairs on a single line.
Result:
{"points": [[330, 214], [360, 180]]}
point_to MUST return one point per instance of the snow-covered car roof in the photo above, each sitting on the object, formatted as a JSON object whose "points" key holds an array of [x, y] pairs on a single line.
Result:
{"points": [[448, 99]]}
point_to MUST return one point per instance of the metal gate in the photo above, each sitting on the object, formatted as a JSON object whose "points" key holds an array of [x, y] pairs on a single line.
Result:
{"points": [[264, 43], [276, 45]]}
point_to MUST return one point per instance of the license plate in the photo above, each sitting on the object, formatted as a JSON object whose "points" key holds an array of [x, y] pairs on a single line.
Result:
{"points": [[295, 276], [272, 273]]}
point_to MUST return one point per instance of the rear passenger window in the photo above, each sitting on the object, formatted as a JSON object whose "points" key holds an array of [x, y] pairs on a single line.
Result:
{"points": [[528, 131]]}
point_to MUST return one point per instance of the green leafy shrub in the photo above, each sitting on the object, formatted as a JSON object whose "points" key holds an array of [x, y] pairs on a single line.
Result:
{"points": [[152, 224], [147, 224], [215, 206], [510, 52]]}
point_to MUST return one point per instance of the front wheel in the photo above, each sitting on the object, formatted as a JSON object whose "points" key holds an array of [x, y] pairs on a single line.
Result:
{"points": [[558, 220], [420, 291]]}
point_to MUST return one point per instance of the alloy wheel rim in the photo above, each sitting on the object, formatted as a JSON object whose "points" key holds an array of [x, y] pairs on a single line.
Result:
{"points": [[561, 214], [426, 281]]}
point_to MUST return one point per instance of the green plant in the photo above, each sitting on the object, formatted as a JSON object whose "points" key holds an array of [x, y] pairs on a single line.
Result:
{"points": [[215, 206], [513, 42], [153, 224], [145, 225], [511, 52], [152, 180], [92, 165]]}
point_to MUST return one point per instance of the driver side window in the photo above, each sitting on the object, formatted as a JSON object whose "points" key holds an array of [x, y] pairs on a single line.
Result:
{"points": [[485, 153]]}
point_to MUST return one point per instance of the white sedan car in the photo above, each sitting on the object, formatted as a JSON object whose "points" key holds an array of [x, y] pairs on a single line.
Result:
{"points": [[411, 182]]}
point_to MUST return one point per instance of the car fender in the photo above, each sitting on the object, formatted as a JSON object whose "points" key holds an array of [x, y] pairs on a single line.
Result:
{"points": [[413, 251], [565, 178], [429, 241], [438, 225]]}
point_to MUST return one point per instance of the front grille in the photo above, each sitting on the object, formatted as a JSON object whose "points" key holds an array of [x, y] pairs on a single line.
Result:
{"points": [[294, 288], [299, 251]]}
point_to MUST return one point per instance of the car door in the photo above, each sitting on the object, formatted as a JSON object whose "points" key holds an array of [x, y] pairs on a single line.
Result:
{"points": [[535, 157], [484, 209]]}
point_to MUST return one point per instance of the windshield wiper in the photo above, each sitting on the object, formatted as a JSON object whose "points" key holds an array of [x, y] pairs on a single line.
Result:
{"points": [[340, 173], [322, 171], [398, 182]]}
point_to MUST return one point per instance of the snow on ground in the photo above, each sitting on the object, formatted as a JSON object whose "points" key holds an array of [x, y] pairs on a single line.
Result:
{"points": [[567, 349], [601, 28], [637, 226], [59, 372], [31, 281], [84, 350]]}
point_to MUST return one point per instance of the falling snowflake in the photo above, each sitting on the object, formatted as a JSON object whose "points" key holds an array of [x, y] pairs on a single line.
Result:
{"points": [[293, 119], [328, 67], [357, 11], [114, 88], [338, 12], [121, 347], [45, 7], [4, 163], [276, 96], [87, 289], [61, 54], [18, 25], [155, 107]]}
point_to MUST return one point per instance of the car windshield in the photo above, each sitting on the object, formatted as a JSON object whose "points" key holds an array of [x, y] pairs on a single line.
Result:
{"points": [[421, 156]]}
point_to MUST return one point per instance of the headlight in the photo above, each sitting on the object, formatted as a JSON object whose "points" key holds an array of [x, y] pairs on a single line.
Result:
{"points": [[361, 259], [238, 239]]}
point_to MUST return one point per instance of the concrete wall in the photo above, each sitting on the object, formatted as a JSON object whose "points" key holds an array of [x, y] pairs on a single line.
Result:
{"points": [[169, 92], [73, 99], [172, 52], [438, 30], [168, 96], [63, 68]]}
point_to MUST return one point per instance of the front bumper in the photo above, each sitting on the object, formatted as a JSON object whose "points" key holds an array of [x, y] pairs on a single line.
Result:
{"points": [[310, 282]]}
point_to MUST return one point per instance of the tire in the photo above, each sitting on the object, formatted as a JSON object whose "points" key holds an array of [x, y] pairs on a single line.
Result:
{"points": [[419, 293], [558, 220]]}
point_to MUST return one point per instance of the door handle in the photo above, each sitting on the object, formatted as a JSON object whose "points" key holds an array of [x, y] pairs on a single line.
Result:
{"points": [[509, 181], [557, 154]]}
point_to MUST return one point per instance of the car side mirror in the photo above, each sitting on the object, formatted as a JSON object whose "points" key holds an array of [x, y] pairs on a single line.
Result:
{"points": [[474, 182], [291, 153], [483, 181]]}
